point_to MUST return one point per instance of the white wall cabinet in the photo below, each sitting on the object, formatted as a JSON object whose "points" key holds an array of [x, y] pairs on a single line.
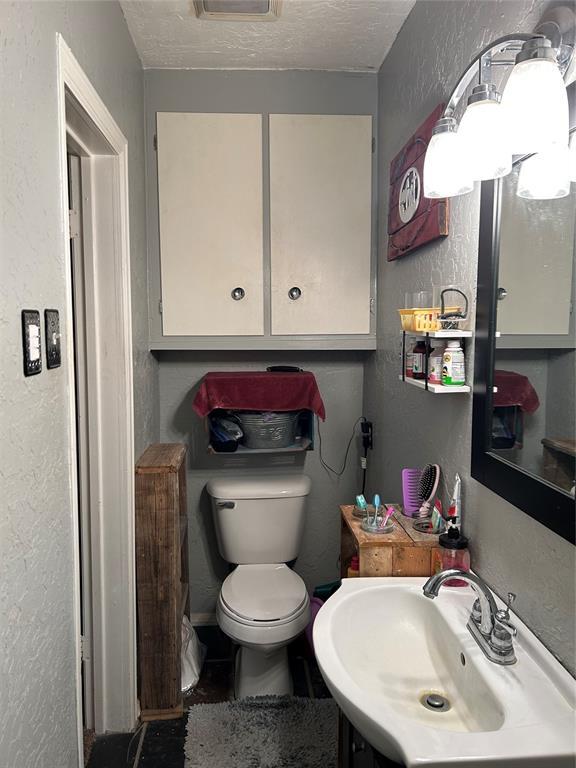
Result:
{"points": [[210, 204], [320, 223], [279, 206]]}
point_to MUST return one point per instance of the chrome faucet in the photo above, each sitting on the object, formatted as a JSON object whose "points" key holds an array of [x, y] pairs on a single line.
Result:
{"points": [[488, 625]]}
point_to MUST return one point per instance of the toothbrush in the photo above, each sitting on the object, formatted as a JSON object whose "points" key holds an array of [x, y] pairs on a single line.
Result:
{"points": [[387, 516], [376, 508], [361, 502]]}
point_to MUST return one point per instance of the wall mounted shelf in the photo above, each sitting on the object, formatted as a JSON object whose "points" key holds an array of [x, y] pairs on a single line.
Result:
{"points": [[440, 334], [436, 389], [302, 445]]}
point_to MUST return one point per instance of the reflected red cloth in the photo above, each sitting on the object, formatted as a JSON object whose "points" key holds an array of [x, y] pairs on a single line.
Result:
{"points": [[259, 391], [515, 389]]}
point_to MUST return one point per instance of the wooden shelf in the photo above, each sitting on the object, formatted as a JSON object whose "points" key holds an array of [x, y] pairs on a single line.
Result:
{"points": [[301, 445], [402, 552], [436, 389], [161, 577]]}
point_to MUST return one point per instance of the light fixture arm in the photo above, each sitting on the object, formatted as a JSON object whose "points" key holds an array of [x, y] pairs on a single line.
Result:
{"points": [[483, 62]]}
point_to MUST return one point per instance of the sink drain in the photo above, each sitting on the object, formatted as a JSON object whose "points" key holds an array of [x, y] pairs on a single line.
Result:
{"points": [[435, 702]]}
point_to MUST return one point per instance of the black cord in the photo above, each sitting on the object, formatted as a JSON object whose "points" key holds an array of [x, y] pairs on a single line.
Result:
{"points": [[364, 468], [327, 466]]}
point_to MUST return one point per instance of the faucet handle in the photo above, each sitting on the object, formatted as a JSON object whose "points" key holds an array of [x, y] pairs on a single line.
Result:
{"points": [[476, 612], [502, 618]]}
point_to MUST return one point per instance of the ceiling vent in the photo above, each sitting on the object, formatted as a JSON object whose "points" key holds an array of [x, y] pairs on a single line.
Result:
{"points": [[238, 10]]}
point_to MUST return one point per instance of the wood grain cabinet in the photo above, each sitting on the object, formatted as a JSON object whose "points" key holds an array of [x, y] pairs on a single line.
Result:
{"points": [[265, 229], [403, 552], [161, 577]]}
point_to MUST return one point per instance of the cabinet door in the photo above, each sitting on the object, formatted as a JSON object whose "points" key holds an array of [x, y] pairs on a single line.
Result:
{"points": [[210, 202], [320, 209]]}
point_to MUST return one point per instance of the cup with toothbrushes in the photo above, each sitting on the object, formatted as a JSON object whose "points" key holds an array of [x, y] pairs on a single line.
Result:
{"points": [[378, 518]]}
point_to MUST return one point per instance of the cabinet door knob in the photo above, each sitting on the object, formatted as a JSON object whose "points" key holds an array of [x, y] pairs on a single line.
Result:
{"points": [[294, 293], [502, 293], [238, 293]]}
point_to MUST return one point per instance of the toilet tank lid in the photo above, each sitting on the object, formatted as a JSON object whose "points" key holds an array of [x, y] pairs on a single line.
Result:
{"points": [[259, 487]]}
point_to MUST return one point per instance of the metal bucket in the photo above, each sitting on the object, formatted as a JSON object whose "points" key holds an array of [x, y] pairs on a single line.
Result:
{"points": [[268, 430]]}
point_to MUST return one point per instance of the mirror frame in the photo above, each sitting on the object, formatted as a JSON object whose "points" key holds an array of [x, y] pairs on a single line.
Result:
{"points": [[534, 496]]}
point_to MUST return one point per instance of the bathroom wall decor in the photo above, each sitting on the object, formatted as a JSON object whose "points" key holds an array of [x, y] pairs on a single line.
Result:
{"points": [[414, 220]]}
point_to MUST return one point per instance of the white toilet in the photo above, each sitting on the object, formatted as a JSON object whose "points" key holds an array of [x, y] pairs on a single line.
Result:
{"points": [[263, 604]]}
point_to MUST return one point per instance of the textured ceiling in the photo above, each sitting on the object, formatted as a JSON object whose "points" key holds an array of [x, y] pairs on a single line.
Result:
{"points": [[353, 35]]}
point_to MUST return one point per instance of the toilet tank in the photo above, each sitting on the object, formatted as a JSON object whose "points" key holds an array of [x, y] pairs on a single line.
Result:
{"points": [[259, 519]]}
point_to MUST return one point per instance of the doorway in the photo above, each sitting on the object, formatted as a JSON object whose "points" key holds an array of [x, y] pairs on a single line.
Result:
{"points": [[97, 353], [81, 380]]}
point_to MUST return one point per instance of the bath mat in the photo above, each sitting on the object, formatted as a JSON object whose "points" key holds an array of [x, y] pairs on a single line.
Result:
{"points": [[267, 732]]}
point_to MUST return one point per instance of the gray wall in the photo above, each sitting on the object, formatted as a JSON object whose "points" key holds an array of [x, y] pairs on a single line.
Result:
{"points": [[37, 689], [510, 550], [560, 415], [340, 379], [340, 375]]}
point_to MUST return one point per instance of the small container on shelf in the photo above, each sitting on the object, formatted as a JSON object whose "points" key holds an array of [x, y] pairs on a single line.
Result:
{"points": [[435, 365], [419, 360], [354, 567], [453, 365]]}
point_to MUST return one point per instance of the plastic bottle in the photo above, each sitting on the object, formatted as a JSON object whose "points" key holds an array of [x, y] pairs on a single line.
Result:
{"points": [[354, 567], [418, 360], [453, 370], [435, 366], [409, 359]]}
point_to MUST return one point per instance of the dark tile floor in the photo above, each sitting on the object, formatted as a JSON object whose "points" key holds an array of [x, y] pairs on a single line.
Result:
{"points": [[160, 744]]}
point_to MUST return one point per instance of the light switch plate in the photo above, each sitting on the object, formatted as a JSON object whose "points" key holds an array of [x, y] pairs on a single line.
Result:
{"points": [[52, 328], [31, 342]]}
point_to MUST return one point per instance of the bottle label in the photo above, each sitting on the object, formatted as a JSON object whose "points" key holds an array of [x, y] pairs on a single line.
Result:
{"points": [[417, 362], [453, 372]]}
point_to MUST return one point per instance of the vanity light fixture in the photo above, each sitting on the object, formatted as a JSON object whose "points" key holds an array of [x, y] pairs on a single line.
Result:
{"points": [[535, 100], [530, 117], [445, 167], [483, 131], [545, 175]]}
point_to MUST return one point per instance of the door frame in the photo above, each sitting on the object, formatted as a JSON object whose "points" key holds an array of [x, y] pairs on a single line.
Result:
{"points": [[85, 122]]}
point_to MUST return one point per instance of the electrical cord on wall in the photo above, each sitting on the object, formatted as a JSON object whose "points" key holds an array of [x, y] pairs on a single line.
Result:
{"points": [[345, 462]]}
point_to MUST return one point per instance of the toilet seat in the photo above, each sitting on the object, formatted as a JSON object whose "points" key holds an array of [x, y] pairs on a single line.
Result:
{"points": [[263, 594]]}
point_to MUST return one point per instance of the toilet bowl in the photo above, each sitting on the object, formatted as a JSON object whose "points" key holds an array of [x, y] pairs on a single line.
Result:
{"points": [[263, 608], [263, 604]]}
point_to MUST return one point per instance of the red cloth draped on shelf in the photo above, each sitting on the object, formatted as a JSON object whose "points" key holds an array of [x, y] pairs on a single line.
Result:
{"points": [[259, 391], [515, 389]]}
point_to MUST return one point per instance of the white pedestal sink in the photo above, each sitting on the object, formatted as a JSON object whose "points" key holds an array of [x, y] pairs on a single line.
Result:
{"points": [[383, 648]]}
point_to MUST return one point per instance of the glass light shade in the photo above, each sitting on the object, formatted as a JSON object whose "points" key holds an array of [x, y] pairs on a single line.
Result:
{"points": [[445, 169], [482, 131], [545, 176], [535, 104]]}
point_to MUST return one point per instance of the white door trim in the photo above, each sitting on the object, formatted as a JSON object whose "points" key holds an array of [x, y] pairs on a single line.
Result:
{"points": [[112, 429]]}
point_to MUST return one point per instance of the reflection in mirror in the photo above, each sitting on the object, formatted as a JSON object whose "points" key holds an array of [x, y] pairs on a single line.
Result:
{"points": [[533, 415]]}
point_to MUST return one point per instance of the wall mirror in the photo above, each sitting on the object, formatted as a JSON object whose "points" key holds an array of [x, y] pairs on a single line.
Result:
{"points": [[524, 422]]}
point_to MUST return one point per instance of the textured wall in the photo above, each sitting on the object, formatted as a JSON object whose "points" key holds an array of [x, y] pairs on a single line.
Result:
{"points": [[37, 675], [560, 416], [339, 374], [509, 549], [340, 377]]}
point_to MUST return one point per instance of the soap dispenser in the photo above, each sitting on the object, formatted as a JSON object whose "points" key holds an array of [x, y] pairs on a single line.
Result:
{"points": [[453, 553]]}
